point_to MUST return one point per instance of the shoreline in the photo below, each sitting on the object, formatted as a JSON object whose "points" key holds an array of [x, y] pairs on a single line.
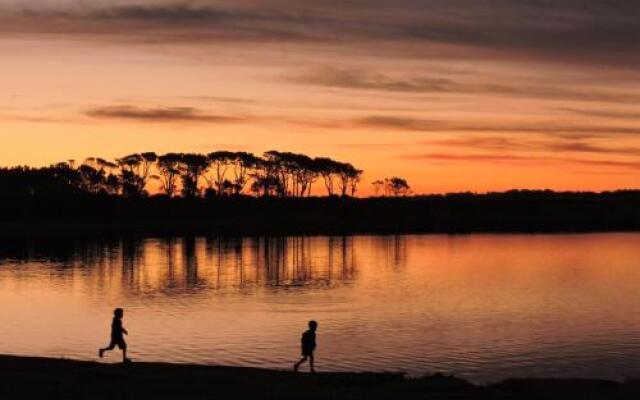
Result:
{"points": [[38, 378], [508, 212], [150, 229]]}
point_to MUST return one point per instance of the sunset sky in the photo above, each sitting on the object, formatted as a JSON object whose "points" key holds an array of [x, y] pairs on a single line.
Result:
{"points": [[453, 94]]}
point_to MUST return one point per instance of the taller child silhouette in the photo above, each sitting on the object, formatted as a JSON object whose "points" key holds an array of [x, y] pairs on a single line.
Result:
{"points": [[117, 338]]}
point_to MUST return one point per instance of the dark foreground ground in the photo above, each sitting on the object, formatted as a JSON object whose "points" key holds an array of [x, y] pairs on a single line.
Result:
{"points": [[42, 378]]}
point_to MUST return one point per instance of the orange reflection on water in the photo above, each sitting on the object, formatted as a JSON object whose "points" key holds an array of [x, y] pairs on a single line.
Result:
{"points": [[483, 306]]}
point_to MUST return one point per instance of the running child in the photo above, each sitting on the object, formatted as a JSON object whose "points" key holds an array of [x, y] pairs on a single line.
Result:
{"points": [[117, 338]]}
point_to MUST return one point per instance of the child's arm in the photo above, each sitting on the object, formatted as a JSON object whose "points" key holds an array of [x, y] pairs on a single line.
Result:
{"points": [[124, 331]]}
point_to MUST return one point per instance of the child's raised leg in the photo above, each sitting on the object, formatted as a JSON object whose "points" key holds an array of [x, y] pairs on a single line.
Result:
{"points": [[108, 348], [297, 365]]}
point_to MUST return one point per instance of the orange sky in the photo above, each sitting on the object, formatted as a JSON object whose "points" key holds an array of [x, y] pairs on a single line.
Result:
{"points": [[451, 96]]}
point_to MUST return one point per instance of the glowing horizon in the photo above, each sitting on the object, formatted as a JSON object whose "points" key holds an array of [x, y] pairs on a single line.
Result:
{"points": [[453, 97]]}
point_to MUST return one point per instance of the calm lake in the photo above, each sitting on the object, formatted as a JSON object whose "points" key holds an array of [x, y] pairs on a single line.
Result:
{"points": [[484, 307]]}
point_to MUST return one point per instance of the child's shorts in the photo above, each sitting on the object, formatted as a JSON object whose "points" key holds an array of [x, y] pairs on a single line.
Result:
{"points": [[118, 342]]}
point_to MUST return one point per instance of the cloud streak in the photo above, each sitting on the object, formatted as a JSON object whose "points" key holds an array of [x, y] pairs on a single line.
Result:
{"points": [[499, 143], [403, 123], [158, 114], [610, 114], [361, 79], [515, 160]]}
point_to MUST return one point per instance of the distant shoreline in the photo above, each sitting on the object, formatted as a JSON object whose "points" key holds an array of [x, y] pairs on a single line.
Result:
{"points": [[46, 378], [48, 229], [508, 212]]}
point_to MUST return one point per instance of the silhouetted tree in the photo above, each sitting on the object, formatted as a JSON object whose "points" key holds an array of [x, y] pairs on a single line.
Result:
{"points": [[296, 172], [66, 173], [378, 187], [304, 173], [277, 168], [354, 180], [219, 163], [243, 163], [276, 174], [192, 167], [308, 176], [94, 176], [267, 186], [327, 168], [135, 171], [348, 176], [98, 175], [228, 188], [397, 186], [169, 171]]}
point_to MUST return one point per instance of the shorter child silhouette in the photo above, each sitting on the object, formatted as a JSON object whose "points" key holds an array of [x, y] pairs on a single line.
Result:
{"points": [[308, 346], [117, 338]]}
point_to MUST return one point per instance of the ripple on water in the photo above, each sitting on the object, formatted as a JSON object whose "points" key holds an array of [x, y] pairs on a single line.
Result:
{"points": [[481, 306]]}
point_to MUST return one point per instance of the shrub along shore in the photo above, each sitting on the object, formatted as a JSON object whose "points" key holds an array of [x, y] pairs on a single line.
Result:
{"points": [[47, 213]]}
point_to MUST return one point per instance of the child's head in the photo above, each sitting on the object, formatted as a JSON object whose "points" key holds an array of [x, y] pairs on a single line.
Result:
{"points": [[313, 325], [118, 312]]}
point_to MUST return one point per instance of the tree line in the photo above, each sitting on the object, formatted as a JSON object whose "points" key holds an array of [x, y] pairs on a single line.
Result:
{"points": [[220, 173], [217, 174]]}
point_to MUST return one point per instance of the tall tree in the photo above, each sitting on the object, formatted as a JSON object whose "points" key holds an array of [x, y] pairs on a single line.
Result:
{"points": [[135, 171], [348, 178], [192, 167], [354, 180], [243, 163], [277, 168], [300, 172], [169, 171], [327, 168], [219, 163]]}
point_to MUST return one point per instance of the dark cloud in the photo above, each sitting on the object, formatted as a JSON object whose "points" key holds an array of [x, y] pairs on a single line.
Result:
{"points": [[177, 14], [361, 79], [597, 32], [158, 114], [178, 22]]}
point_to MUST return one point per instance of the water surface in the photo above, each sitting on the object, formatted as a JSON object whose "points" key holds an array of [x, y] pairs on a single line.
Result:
{"points": [[484, 307]]}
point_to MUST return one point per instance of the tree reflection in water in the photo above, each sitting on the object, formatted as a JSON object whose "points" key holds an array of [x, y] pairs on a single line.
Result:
{"points": [[193, 264]]}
